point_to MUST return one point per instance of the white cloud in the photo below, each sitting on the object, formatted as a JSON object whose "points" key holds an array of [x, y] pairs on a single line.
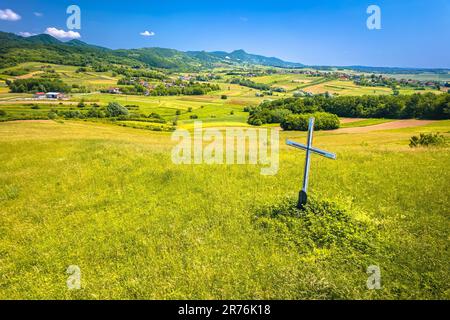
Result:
{"points": [[9, 15], [38, 14], [26, 34], [147, 33], [61, 34]]}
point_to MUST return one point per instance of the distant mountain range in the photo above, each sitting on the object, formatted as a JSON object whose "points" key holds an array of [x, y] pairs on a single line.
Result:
{"points": [[45, 48], [16, 49]]}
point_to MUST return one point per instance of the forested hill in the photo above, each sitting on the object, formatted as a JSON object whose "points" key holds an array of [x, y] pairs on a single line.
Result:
{"points": [[15, 49]]}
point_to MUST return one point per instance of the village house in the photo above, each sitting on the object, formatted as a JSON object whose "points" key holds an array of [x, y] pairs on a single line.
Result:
{"points": [[49, 95], [54, 95], [39, 95], [114, 90], [186, 78]]}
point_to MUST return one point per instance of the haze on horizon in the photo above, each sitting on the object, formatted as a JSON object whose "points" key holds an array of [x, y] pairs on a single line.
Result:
{"points": [[413, 34]]}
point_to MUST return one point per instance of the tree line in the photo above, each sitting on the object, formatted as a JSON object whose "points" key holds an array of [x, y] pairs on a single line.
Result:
{"points": [[418, 106], [191, 88], [33, 85], [250, 84]]}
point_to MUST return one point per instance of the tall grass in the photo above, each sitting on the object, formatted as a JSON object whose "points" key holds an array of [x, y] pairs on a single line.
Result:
{"points": [[109, 200]]}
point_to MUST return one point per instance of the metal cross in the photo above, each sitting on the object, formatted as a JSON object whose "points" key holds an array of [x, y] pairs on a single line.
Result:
{"points": [[303, 196]]}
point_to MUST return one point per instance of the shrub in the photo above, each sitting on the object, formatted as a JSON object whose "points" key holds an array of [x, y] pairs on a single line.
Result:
{"points": [[81, 104], [322, 224], [323, 121], [278, 115], [178, 112], [95, 113], [35, 107], [52, 115], [155, 115], [232, 112], [257, 122], [194, 116], [72, 114], [426, 140], [190, 109], [224, 97], [2, 113], [115, 109]]}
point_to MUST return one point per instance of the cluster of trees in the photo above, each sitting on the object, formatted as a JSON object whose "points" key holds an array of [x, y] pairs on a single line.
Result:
{"points": [[191, 88], [250, 84], [383, 81], [300, 122], [112, 110], [33, 85], [17, 72], [139, 73], [208, 77], [420, 106]]}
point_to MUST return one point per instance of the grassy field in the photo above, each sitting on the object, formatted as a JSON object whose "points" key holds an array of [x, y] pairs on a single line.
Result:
{"points": [[109, 200]]}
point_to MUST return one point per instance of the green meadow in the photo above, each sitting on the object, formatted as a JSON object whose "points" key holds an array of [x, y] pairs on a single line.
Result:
{"points": [[109, 200]]}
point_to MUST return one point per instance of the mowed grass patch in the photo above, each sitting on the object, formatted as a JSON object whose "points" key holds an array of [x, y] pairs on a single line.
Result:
{"points": [[364, 123]]}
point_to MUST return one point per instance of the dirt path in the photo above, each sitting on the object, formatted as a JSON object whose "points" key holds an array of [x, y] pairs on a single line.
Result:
{"points": [[350, 120], [385, 126]]}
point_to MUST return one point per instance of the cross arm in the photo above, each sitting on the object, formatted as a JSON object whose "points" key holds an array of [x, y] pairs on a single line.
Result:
{"points": [[323, 153]]}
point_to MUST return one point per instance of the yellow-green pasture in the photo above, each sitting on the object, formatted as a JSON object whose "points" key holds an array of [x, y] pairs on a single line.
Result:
{"points": [[110, 200]]}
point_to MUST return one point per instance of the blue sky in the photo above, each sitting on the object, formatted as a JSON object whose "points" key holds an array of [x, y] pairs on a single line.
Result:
{"points": [[414, 33]]}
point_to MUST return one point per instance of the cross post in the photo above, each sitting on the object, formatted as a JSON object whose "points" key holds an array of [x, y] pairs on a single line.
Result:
{"points": [[303, 194]]}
